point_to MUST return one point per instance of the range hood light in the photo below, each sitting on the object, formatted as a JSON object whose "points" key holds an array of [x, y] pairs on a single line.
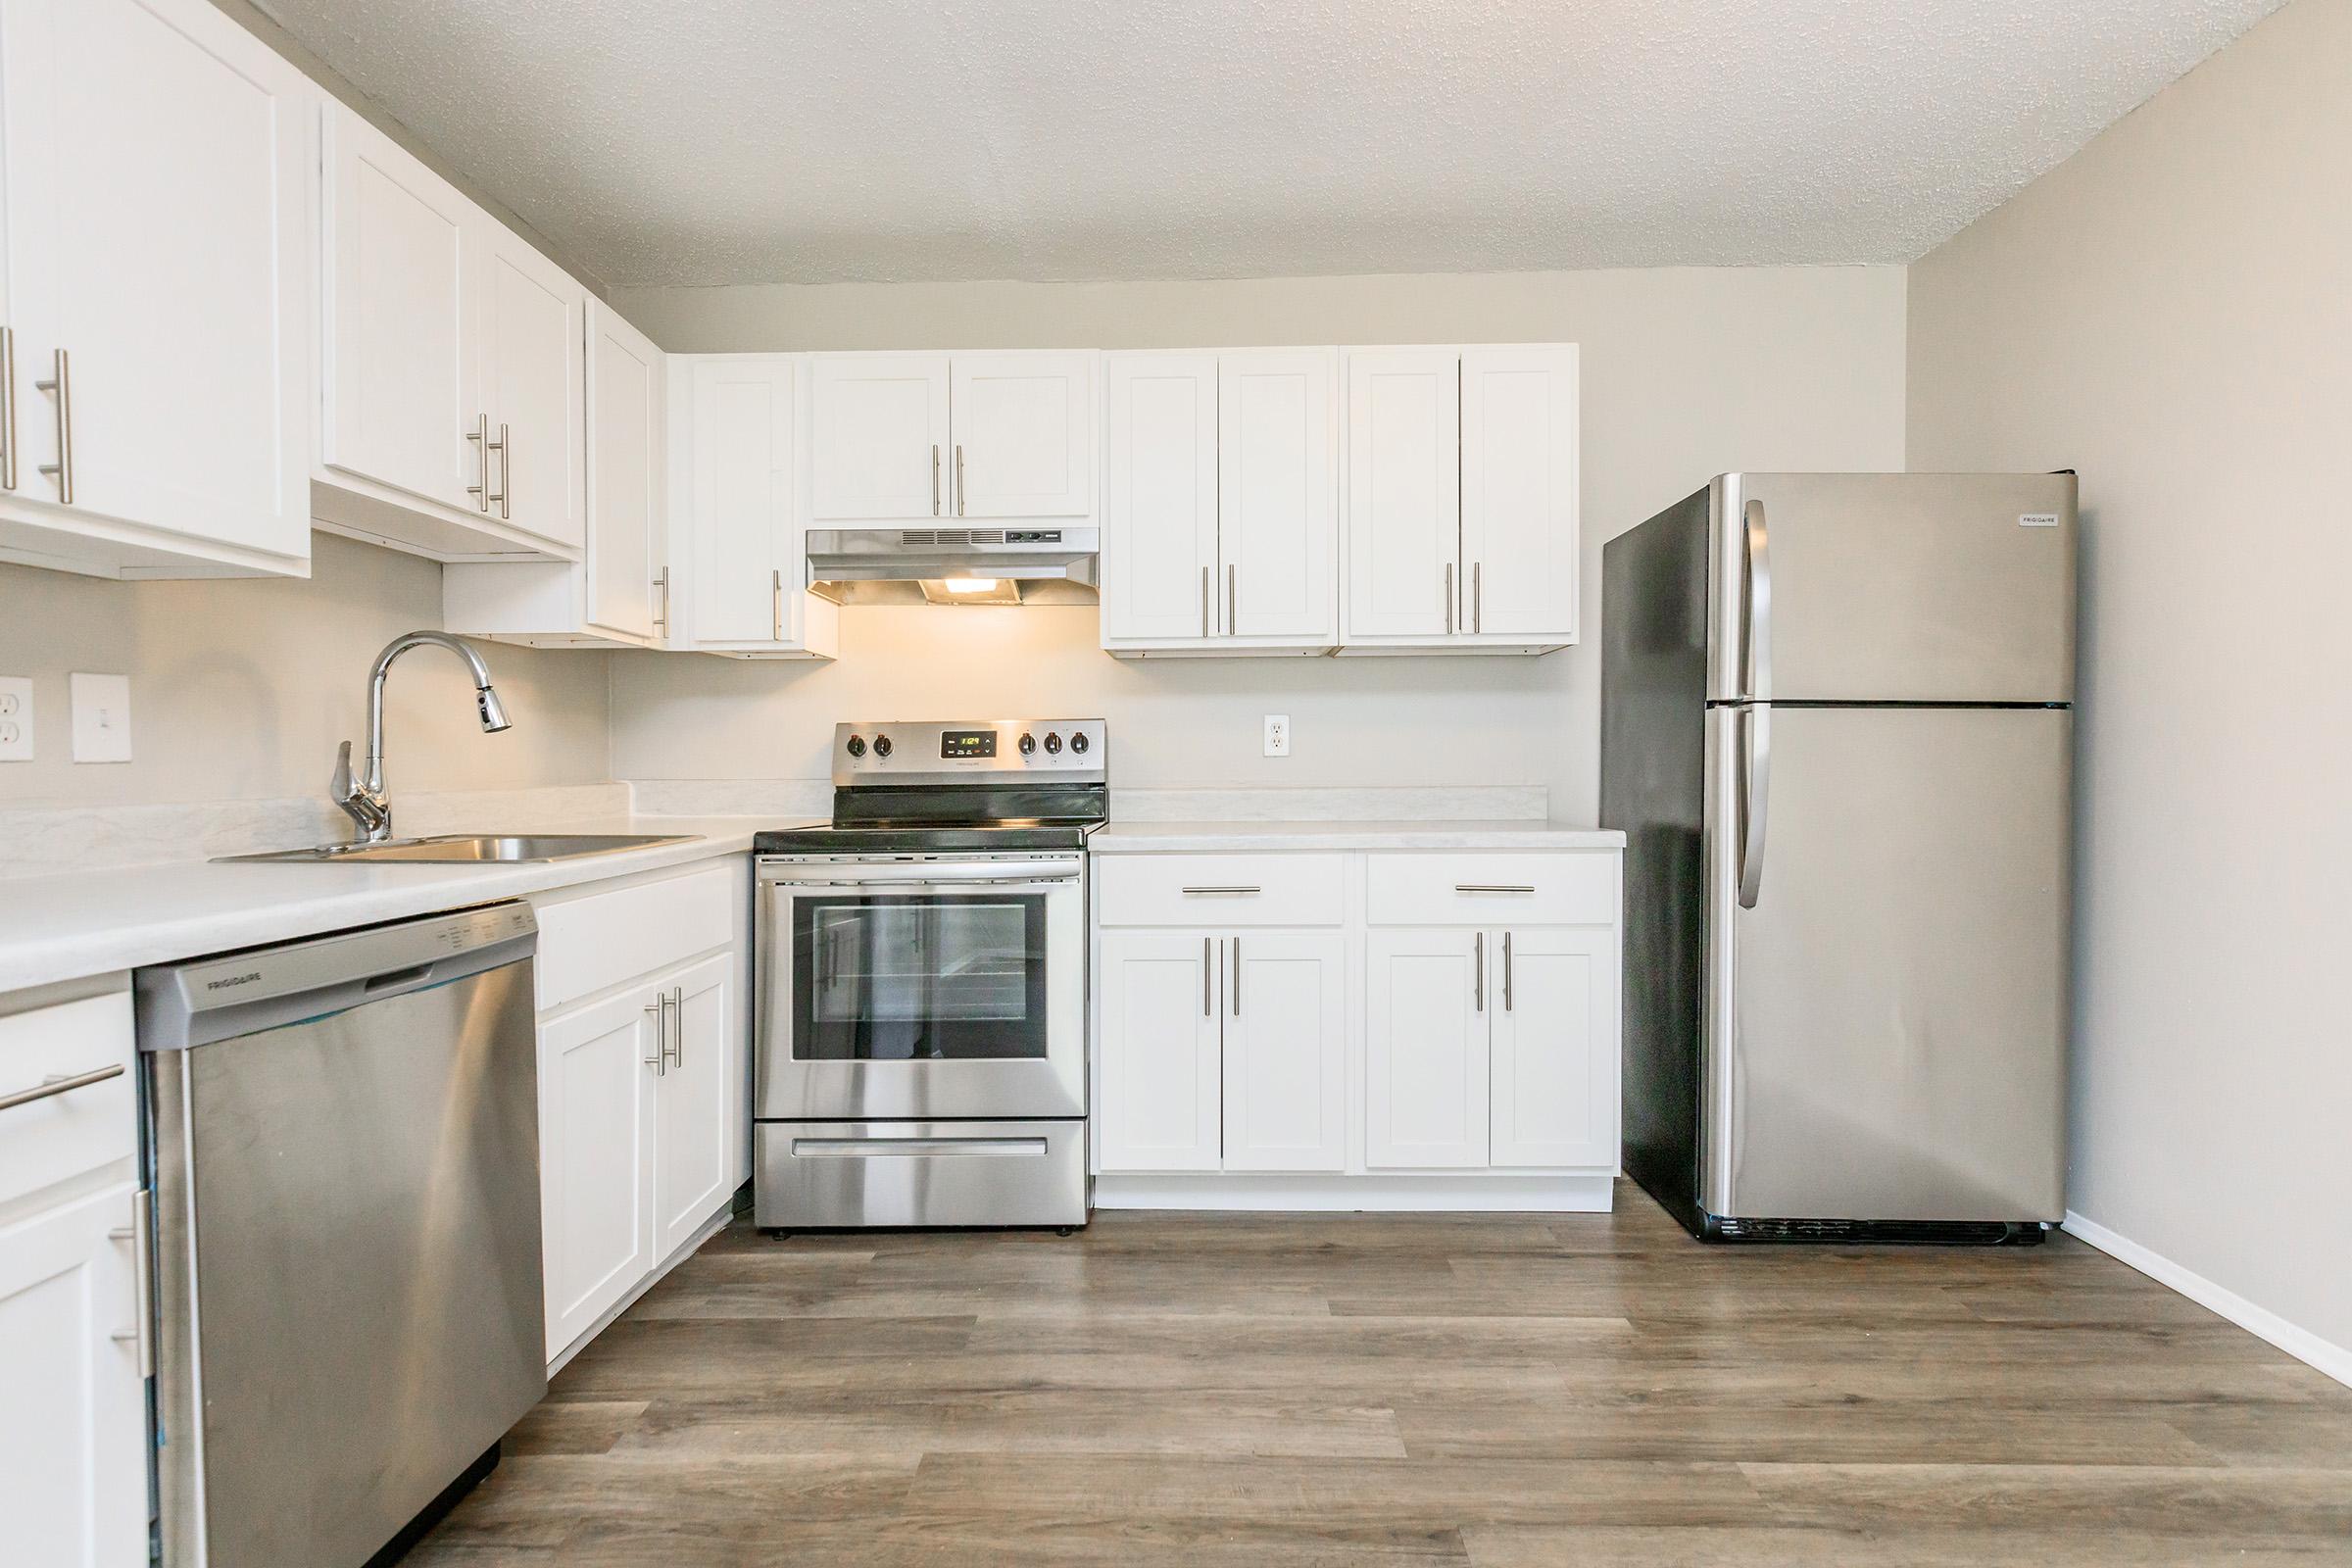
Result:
{"points": [[970, 585], [971, 590]]}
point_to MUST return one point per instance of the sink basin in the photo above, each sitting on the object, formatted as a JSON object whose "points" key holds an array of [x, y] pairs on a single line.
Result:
{"points": [[504, 848]]}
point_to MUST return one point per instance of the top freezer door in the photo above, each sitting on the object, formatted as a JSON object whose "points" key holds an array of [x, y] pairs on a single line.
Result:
{"points": [[1892, 588]]}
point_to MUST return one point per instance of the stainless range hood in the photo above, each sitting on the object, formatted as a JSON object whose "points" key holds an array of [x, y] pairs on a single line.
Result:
{"points": [[953, 565]]}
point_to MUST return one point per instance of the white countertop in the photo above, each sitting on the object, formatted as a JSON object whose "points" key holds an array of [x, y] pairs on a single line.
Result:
{"points": [[1144, 838], [83, 923]]}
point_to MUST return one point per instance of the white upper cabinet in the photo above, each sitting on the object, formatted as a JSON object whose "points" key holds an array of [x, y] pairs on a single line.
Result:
{"points": [[1462, 477], [1519, 491], [739, 438], [906, 437], [1024, 434], [882, 435], [620, 594], [1404, 497], [155, 158], [1221, 503], [532, 388], [1159, 498], [452, 356]]}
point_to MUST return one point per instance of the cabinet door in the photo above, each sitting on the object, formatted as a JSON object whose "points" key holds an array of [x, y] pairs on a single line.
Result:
{"points": [[626, 437], [1556, 1046], [694, 1154], [1278, 488], [1424, 1057], [1403, 492], [1161, 1046], [881, 448], [597, 1071], [400, 361], [1159, 500], [1519, 490], [72, 1449], [532, 333], [174, 270], [1286, 1050], [746, 547], [1024, 435]]}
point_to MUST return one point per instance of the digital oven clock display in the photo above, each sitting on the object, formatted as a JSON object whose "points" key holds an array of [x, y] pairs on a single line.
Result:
{"points": [[956, 743]]}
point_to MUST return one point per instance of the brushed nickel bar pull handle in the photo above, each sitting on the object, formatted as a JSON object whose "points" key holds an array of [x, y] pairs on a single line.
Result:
{"points": [[935, 479], [139, 1233], [59, 1086], [775, 599], [1491, 887], [1478, 969], [1198, 891], [1237, 977], [479, 435], [8, 407], [659, 1059], [1204, 601], [1209, 977], [1449, 599], [1506, 971], [962, 499], [1232, 597], [676, 997], [661, 615], [1478, 611], [505, 473], [60, 382]]}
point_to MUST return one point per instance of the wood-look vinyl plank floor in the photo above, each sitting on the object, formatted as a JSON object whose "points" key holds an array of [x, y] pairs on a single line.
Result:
{"points": [[1188, 1391]]}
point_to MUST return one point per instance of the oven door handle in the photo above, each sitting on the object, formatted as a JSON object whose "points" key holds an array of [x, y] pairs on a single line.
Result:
{"points": [[933, 884]]}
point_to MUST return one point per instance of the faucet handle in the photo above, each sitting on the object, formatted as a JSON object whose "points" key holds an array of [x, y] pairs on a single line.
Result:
{"points": [[343, 786]]}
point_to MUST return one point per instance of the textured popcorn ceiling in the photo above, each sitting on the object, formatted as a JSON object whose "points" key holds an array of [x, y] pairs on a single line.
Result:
{"points": [[736, 141]]}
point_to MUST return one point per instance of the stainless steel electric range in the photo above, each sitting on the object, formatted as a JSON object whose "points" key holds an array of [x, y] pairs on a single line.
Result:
{"points": [[922, 986]]}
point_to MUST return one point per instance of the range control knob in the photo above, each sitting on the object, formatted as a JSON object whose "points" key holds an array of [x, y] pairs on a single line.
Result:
{"points": [[1053, 742], [1079, 743], [857, 746], [881, 746], [1028, 745]]}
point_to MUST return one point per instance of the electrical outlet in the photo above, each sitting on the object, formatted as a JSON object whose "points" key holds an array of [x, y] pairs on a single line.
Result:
{"points": [[1278, 734], [15, 720], [101, 706]]}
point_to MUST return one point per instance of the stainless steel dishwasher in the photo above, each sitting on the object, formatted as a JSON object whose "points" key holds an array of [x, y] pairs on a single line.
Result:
{"points": [[343, 1141]]}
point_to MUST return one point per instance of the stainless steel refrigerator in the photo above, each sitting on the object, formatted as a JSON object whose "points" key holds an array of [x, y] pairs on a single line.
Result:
{"points": [[1836, 730]]}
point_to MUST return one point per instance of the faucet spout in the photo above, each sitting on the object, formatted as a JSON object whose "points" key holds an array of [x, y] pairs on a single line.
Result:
{"points": [[362, 798]]}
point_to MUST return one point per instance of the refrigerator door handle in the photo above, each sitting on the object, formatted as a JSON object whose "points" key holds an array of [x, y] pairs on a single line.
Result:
{"points": [[1759, 604], [1755, 779]]}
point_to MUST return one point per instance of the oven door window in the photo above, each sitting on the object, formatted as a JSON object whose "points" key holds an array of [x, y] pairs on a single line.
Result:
{"points": [[920, 978]]}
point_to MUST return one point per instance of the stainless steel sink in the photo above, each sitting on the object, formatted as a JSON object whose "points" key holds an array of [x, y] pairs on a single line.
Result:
{"points": [[509, 849]]}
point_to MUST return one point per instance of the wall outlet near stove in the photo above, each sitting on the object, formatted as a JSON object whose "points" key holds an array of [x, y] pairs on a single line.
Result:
{"points": [[15, 720], [1278, 734]]}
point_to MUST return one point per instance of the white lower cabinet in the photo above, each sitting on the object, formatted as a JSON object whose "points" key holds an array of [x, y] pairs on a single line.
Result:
{"points": [[1411, 1051], [1286, 1050], [1161, 1056], [642, 1131], [73, 1448], [1425, 1051]]}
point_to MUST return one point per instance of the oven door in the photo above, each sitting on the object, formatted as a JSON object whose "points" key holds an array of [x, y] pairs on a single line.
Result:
{"points": [[922, 987]]}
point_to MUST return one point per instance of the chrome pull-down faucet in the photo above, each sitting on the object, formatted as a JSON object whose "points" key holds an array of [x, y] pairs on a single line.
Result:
{"points": [[362, 798]]}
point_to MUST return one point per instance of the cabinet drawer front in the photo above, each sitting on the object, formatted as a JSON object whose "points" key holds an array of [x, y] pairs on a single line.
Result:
{"points": [[1219, 890], [62, 1135], [588, 944], [1552, 887]]}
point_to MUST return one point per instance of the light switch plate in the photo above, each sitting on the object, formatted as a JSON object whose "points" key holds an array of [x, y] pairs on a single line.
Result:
{"points": [[1278, 734], [15, 720], [101, 717]]}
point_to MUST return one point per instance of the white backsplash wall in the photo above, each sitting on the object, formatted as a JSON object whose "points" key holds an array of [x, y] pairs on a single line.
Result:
{"points": [[1686, 373], [241, 688]]}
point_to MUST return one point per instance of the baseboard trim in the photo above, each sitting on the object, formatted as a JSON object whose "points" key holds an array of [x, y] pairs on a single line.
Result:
{"points": [[1273, 1192], [2335, 1360]]}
